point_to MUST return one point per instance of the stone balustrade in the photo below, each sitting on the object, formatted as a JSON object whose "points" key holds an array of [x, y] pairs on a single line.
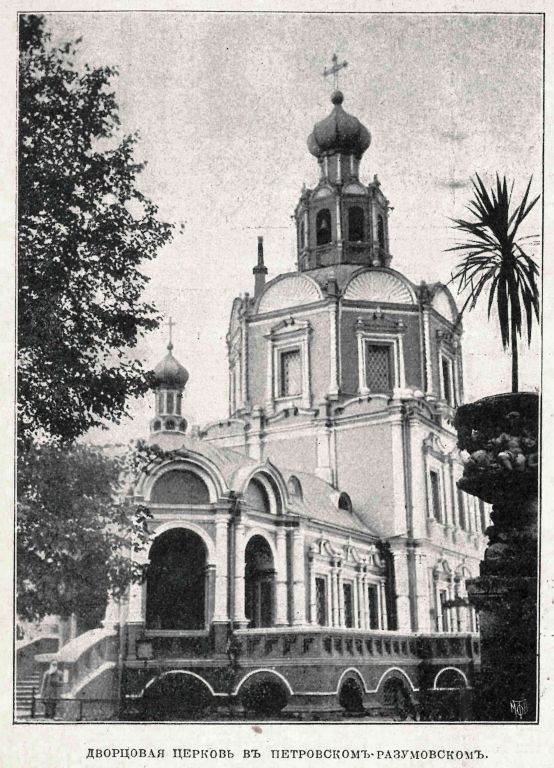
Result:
{"points": [[81, 658]]}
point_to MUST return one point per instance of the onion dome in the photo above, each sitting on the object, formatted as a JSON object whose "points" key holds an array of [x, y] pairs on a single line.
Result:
{"points": [[339, 132], [169, 372]]}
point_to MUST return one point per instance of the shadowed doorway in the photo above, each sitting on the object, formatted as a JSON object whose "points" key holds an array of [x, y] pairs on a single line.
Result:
{"points": [[176, 582]]}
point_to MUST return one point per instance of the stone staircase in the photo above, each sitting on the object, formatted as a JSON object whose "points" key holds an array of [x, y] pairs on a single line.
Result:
{"points": [[24, 693]]}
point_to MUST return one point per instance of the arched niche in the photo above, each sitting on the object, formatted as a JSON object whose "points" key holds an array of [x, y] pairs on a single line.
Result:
{"points": [[261, 494], [180, 486]]}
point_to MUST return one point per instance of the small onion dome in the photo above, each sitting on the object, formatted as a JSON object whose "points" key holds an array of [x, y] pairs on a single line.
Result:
{"points": [[169, 372], [339, 132]]}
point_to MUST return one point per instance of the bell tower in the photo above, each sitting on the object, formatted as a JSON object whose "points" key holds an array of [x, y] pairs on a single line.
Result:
{"points": [[341, 221], [170, 380]]}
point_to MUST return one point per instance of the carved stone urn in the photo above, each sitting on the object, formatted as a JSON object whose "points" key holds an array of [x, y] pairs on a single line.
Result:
{"points": [[498, 437]]}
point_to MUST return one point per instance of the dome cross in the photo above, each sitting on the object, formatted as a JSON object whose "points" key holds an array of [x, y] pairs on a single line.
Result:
{"points": [[170, 323], [334, 70]]}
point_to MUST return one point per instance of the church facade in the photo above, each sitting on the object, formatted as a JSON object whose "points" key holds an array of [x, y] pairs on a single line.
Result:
{"points": [[313, 541]]}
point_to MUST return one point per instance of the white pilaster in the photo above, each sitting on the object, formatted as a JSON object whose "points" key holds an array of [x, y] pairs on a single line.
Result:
{"points": [[244, 363], [339, 222], [362, 388], [384, 616], [340, 597], [238, 613], [333, 374], [438, 611], [427, 349], [313, 592], [364, 602], [379, 607], [359, 589], [269, 385], [281, 612], [298, 571], [335, 596], [137, 603], [355, 604], [402, 582], [221, 577]]}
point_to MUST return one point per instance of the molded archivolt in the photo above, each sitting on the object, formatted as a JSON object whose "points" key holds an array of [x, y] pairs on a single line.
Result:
{"points": [[234, 320], [443, 303], [289, 291], [381, 286]]}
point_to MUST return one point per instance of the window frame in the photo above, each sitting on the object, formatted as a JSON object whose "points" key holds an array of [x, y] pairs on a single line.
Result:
{"points": [[448, 394], [322, 579], [394, 341], [287, 336], [282, 354], [432, 471]]}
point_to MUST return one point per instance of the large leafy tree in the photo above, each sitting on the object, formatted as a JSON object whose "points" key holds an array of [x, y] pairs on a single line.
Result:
{"points": [[496, 260], [84, 229], [76, 529]]}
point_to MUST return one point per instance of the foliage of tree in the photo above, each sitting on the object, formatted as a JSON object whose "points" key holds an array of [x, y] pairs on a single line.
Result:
{"points": [[83, 230], [76, 529], [495, 259]]}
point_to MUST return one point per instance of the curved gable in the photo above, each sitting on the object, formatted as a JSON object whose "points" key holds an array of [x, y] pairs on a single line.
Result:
{"points": [[379, 285], [444, 304], [289, 291]]}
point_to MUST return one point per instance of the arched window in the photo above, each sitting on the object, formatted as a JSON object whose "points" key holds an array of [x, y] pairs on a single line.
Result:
{"points": [[295, 488], [170, 424], [381, 231], [301, 235], [259, 577], [355, 224], [180, 486], [323, 227], [157, 425], [345, 503]]}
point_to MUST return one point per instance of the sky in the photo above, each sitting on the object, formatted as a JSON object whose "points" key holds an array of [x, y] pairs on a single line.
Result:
{"points": [[224, 103]]}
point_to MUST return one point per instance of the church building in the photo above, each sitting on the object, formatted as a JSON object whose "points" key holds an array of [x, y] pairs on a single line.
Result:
{"points": [[313, 540]]}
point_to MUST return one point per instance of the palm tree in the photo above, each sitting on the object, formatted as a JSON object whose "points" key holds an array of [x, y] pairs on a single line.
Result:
{"points": [[496, 260]]}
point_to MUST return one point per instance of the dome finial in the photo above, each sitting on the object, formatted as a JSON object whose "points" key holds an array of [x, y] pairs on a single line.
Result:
{"points": [[170, 323]]}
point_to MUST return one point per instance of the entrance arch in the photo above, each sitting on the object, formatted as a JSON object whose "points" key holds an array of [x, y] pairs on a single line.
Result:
{"points": [[177, 695], [259, 583], [176, 581]]}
